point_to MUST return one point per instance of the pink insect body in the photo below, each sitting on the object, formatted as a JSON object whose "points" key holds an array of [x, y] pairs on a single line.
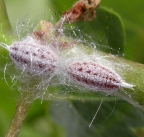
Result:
{"points": [[33, 58], [96, 77]]}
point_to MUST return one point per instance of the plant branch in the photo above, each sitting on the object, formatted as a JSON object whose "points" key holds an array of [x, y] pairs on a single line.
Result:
{"points": [[22, 108]]}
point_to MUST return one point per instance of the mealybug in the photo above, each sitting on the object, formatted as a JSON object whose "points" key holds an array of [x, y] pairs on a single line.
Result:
{"points": [[96, 77], [32, 57]]}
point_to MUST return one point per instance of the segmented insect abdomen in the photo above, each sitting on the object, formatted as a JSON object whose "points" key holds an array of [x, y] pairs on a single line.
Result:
{"points": [[33, 58], [96, 77]]}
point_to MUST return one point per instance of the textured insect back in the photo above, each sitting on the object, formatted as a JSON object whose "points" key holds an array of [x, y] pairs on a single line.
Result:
{"points": [[30, 56], [96, 77]]}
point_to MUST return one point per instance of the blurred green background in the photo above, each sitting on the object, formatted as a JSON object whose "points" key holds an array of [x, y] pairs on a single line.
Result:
{"points": [[38, 122]]}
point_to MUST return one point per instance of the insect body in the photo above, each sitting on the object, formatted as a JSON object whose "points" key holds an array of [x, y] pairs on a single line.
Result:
{"points": [[32, 57], [96, 77]]}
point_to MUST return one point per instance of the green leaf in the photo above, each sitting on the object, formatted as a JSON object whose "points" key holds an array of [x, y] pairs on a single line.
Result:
{"points": [[112, 115], [113, 119], [134, 26], [106, 29]]}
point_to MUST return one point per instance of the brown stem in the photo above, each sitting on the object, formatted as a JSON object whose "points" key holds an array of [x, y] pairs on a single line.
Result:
{"points": [[81, 10], [22, 108]]}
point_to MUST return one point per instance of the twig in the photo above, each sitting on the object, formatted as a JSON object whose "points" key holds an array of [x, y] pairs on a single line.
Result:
{"points": [[81, 10], [22, 108]]}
